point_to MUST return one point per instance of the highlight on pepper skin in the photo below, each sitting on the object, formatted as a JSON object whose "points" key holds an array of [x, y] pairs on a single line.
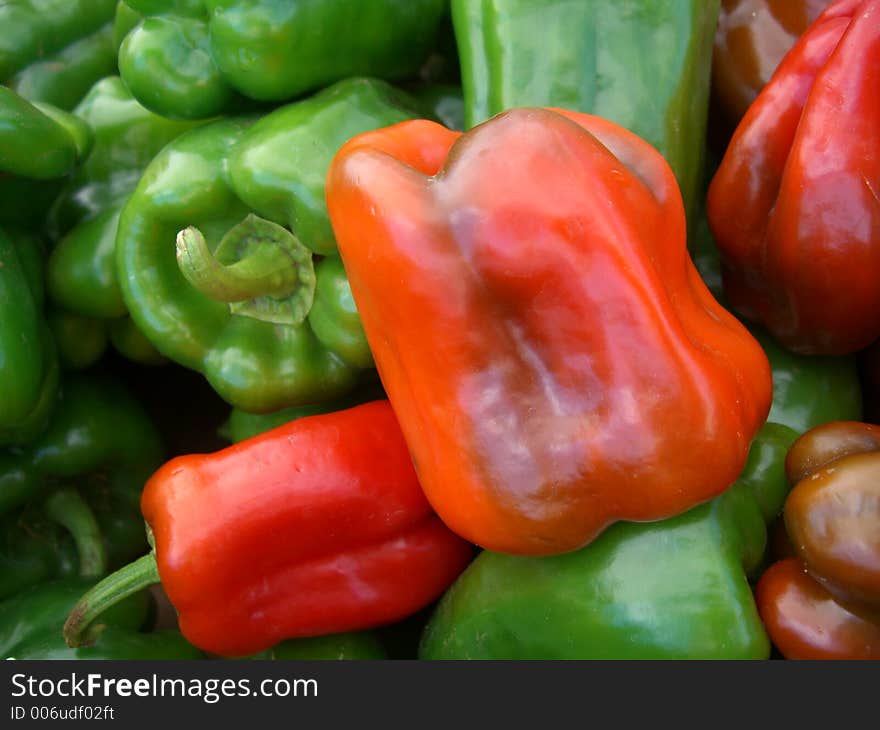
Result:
{"points": [[825, 601]]}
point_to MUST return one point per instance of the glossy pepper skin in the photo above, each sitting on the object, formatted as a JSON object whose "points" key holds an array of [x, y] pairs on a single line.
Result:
{"points": [[242, 425], [281, 565], [808, 390], [751, 38], [39, 145], [194, 60], [54, 50], [39, 612], [70, 499], [825, 602], [82, 271], [644, 65], [215, 178], [575, 363], [675, 589], [28, 358], [793, 206]]}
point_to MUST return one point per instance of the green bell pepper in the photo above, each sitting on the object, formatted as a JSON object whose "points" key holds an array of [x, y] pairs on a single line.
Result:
{"points": [[243, 300], [354, 645], [674, 589], [39, 145], [113, 642], [810, 390], [242, 425], [644, 64], [41, 610], [81, 271], [81, 341], [189, 59], [54, 50], [28, 357], [443, 101], [70, 500]]}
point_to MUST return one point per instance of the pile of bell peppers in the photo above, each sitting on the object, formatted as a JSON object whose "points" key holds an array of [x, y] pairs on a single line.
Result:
{"points": [[439, 329]]}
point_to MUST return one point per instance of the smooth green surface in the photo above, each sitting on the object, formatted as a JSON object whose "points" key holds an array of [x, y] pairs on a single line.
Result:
{"points": [[644, 64], [82, 268], [130, 342], [242, 425], [38, 143], [810, 390], [193, 60], [54, 50], [41, 610], [28, 355], [113, 642], [674, 589], [213, 178], [81, 341]]}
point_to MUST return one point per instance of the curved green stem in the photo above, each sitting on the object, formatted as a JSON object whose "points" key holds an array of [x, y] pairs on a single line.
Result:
{"points": [[69, 509], [259, 268], [80, 629]]}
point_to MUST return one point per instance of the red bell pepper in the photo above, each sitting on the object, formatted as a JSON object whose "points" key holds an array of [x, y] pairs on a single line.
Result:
{"points": [[552, 354], [316, 527], [795, 203]]}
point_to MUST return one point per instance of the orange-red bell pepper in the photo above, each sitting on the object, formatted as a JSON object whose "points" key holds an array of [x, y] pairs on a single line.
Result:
{"points": [[824, 603], [554, 359], [795, 203], [315, 527]]}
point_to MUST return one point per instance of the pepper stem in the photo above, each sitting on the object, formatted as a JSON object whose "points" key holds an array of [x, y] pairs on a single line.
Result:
{"points": [[67, 507], [80, 629], [259, 268]]}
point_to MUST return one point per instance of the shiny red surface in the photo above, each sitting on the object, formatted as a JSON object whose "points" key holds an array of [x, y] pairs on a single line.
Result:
{"points": [[554, 358], [319, 526]]}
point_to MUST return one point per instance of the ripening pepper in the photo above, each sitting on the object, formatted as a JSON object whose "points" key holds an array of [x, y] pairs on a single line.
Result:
{"points": [[576, 370], [28, 356], [644, 64], [54, 50], [193, 59], [794, 204], [671, 589], [751, 38], [246, 302], [674, 589], [824, 603], [317, 527], [69, 501]]}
